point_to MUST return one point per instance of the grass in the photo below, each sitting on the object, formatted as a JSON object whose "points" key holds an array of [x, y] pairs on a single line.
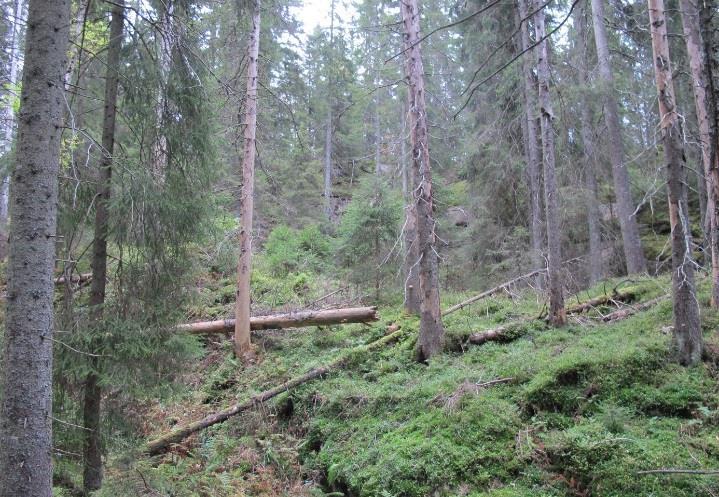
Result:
{"points": [[588, 406]]}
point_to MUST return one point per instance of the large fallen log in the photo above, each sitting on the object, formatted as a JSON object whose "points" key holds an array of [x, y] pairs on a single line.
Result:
{"points": [[296, 319], [163, 443], [601, 300], [632, 310]]}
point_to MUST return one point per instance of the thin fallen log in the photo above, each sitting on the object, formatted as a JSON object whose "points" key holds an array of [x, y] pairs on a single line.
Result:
{"points": [[499, 288], [502, 332], [163, 443], [491, 291], [288, 320], [79, 278], [679, 471]]}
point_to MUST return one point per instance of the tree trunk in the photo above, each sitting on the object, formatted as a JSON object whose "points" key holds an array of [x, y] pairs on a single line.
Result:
{"points": [[431, 331], [687, 333], [631, 242], [167, 41], [329, 205], [296, 319], [704, 105], [532, 132], [596, 265], [8, 123], [26, 409], [411, 257], [557, 315], [92, 455], [244, 268]]}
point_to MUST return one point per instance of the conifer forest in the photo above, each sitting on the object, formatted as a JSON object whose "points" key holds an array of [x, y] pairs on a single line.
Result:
{"points": [[359, 248]]}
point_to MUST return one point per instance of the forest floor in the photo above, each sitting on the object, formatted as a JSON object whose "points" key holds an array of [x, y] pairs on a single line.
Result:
{"points": [[579, 411]]}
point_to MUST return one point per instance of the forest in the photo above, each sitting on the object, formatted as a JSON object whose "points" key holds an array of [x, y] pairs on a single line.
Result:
{"points": [[359, 248]]}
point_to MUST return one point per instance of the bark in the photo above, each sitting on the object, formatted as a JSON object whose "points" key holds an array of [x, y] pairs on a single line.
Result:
{"points": [[26, 409], [631, 242], [431, 330], [704, 103], [92, 455], [687, 333], [596, 265], [533, 147], [165, 442], [244, 268], [297, 319], [710, 40], [411, 258], [8, 122], [557, 316]]}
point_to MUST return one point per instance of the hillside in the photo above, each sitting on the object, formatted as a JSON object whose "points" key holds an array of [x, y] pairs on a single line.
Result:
{"points": [[579, 411]]}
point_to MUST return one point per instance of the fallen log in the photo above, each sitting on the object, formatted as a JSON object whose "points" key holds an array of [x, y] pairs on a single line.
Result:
{"points": [[601, 300], [499, 288], [502, 332], [288, 320], [491, 291], [79, 278], [631, 310], [163, 443]]}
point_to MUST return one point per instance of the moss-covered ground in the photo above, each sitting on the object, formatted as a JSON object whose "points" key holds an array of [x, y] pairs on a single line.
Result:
{"points": [[582, 410]]}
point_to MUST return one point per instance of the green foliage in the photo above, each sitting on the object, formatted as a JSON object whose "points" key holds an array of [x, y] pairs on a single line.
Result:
{"points": [[289, 250]]}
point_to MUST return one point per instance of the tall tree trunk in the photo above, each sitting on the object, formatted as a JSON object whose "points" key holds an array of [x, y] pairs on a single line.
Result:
{"points": [[329, 131], [92, 455], [26, 409], [631, 242], [244, 268], [596, 265], [533, 148], [431, 330], [8, 122], [704, 105], [167, 38], [557, 314], [687, 333], [411, 257]]}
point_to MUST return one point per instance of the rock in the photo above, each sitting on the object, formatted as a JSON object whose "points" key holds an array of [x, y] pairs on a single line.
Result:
{"points": [[458, 216]]}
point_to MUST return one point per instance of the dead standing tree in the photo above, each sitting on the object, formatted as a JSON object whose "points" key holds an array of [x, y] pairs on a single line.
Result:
{"points": [[687, 332], [431, 330]]}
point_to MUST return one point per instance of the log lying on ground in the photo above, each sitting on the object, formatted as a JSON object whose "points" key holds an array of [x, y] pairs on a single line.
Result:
{"points": [[289, 320], [491, 291], [601, 300], [163, 443], [502, 332], [499, 288], [76, 278], [632, 310]]}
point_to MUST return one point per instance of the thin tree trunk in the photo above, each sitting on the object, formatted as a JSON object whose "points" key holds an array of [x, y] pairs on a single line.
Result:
{"points": [[596, 265], [26, 409], [631, 242], [92, 455], [557, 315], [8, 123], [704, 103], [411, 257], [687, 333], [431, 331], [244, 268], [166, 34], [329, 205], [533, 148]]}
